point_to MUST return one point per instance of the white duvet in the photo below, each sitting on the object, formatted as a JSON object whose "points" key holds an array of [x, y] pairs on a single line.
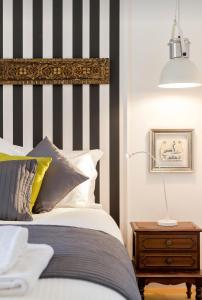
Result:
{"points": [[71, 289]]}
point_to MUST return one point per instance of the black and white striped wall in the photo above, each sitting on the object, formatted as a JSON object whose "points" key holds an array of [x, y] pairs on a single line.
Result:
{"points": [[74, 117]]}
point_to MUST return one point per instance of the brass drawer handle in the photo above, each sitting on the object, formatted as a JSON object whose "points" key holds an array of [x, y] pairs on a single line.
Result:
{"points": [[168, 260], [169, 243]]}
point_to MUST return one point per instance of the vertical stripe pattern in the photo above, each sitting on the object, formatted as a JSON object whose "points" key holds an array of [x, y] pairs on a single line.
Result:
{"points": [[8, 53], [1, 55], [37, 53], [86, 88], [57, 90], [104, 108], [77, 89], [114, 108], [48, 53], [73, 117], [94, 89], [27, 89], [67, 89], [17, 90]]}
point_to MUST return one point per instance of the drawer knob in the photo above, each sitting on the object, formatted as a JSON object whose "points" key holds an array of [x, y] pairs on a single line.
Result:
{"points": [[168, 260], [169, 243]]}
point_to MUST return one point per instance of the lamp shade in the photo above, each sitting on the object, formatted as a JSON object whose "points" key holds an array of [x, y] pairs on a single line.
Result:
{"points": [[179, 73]]}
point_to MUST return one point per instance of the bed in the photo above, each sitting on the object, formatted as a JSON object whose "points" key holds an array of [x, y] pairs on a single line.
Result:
{"points": [[89, 255], [61, 289], [75, 118]]}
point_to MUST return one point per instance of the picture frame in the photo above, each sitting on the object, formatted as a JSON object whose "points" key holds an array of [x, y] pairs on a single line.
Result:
{"points": [[55, 71], [172, 150]]}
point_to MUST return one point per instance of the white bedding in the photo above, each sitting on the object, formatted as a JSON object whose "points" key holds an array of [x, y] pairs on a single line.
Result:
{"points": [[70, 289]]}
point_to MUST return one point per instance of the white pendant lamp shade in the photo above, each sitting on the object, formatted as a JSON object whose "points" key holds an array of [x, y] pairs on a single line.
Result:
{"points": [[179, 73]]}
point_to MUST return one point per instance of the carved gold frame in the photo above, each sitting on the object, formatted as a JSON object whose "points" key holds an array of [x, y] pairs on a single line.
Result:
{"points": [[55, 71]]}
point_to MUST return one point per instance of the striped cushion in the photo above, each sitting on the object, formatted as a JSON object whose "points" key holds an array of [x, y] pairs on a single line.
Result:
{"points": [[16, 179]]}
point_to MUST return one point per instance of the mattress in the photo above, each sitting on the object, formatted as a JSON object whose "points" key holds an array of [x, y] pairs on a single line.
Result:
{"points": [[70, 289]]}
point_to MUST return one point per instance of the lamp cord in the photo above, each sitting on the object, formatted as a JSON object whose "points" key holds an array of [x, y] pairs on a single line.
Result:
{"points": [[160, 174], [176, 24], [177, 12]]}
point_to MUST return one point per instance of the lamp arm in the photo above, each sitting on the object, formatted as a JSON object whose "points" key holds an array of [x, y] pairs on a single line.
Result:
{"points": [[160, 174]]}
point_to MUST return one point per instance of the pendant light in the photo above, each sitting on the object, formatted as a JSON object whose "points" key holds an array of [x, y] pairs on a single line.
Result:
{"points": [[179, 72]]}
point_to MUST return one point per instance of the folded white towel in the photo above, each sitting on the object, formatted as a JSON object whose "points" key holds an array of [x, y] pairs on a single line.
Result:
{"points": [[13, 242], [24, 275]]}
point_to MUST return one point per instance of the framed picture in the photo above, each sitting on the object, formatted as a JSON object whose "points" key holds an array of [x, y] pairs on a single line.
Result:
{"points": [[171, 150]]}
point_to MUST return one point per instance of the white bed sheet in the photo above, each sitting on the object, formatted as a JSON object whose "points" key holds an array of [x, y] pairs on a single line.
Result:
{"points": [[70, 289]]}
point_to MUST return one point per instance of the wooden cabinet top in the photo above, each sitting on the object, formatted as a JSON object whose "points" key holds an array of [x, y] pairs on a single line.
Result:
{"points": [[153, 226]]}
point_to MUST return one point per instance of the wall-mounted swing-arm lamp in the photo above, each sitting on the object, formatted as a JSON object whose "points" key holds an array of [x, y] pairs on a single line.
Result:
{"points": [[167, 221]]}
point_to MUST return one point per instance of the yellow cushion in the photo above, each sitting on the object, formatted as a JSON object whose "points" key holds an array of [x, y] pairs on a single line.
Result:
{"points": [[42, 167]]}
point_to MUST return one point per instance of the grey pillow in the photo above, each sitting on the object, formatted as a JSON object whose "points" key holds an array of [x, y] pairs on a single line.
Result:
{"points": [[60, 179], [16, 179]]}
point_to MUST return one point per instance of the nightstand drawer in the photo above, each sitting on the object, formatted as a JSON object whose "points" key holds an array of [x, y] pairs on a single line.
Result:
{"points": [[176, 262], [166, 242]]}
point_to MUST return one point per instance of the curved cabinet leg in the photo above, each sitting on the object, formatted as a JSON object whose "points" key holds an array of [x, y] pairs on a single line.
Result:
{"points": [[141, 286], [198, 292], [188, 284]]}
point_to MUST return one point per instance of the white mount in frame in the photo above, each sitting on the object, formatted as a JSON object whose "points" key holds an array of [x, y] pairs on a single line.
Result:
{"points": [[172, 149]]}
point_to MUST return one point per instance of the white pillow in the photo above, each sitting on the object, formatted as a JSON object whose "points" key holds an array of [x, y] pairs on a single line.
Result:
{"points": [[83, 195], [96, 154], [22, 150], [8, 148]]}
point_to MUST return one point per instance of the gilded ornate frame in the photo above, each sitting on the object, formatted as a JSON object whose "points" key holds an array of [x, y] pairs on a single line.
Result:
{"points": [[55, 71]]}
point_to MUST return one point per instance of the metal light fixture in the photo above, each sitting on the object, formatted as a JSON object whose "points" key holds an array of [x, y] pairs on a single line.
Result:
{"points": [[179, 72]]}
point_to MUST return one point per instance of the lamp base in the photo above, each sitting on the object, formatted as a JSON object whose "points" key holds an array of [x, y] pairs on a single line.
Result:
{"points": [[167, 222]]}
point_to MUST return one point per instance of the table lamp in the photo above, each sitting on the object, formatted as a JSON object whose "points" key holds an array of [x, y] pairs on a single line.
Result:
{"points": [[167, 221]]}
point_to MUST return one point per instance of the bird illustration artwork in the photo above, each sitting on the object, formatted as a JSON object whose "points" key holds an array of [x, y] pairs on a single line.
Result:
{"points": [[171, 150]]}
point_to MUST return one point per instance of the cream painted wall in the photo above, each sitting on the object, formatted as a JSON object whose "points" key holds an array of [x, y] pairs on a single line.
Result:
{"points": [[150, 107]]}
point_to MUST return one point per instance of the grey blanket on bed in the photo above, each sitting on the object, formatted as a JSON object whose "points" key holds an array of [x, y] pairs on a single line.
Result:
{"points": [[87, 255]]}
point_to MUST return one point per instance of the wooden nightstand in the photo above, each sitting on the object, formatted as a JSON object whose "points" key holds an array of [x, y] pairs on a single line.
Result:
{"points": [[167, 255]]}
